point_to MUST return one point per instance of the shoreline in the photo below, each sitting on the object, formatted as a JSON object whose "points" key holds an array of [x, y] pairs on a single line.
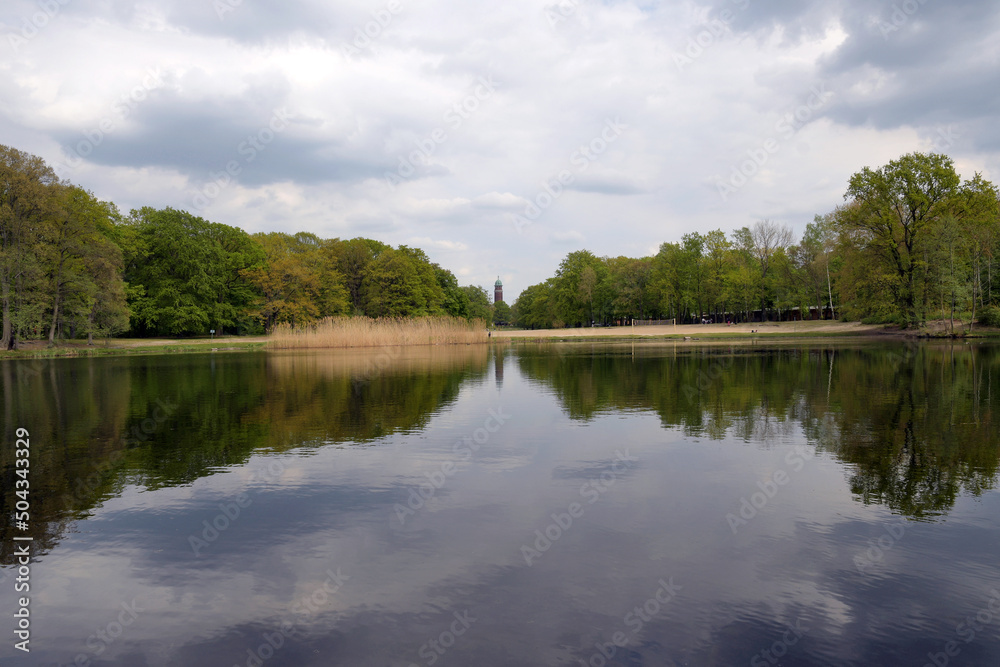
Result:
{"points": [[693, 334]]}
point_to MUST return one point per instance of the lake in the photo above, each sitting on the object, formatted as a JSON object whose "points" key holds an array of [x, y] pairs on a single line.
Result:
{"points": [[539, 504]]}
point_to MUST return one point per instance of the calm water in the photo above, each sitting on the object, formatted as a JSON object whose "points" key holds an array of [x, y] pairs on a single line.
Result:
{"points": [[550, 505]]}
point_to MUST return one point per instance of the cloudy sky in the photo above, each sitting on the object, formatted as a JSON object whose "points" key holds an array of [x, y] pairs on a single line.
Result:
{"points": [[496, 136]]}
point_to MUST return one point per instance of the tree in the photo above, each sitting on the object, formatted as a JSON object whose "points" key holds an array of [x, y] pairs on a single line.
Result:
{"points": [[27, 202], [193, 273], [893, 206], [480, 307], [401, 283], [627, 283], [576, 286], [812, 256], [353, 258], [536, 307], [768, 241], [83, 266], [298, 283], [501, 313], [718, 260], [455, 301]]}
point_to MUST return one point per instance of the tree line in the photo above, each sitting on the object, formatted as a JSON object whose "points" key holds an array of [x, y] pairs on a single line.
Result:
{"points": [[72, 265], [910, 242]]}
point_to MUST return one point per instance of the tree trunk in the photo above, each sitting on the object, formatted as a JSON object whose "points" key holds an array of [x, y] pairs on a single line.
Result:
{"points": [[55, 319], [6, 341]]}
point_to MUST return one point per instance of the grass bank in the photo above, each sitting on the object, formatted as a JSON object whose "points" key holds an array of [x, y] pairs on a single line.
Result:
{"points": [[127, 346], [383, 332]]}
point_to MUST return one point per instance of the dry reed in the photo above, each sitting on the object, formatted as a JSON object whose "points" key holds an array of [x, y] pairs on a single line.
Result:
{"points": [[382, 332]]}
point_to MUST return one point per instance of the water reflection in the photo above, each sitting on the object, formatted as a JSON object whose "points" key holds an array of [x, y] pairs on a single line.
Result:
{"points": [[101, 424], [552, 505], [915, 422]]}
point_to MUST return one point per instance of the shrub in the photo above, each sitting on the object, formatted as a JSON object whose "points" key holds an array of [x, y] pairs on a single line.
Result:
{"points": [[990, 316]]}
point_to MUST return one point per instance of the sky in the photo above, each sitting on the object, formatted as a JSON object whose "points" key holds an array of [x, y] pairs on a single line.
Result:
{"points": [[498, 137]]}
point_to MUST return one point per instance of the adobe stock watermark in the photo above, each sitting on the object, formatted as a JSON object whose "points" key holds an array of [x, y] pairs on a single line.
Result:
{"points": [[944, 138], [707, 378], [455, 116], [748, 509], [121, 109], [581, 158], [463, 450], [304, 609], [899, 16], [773, 654], [967, 631], [230, 511], [432, 650], [787, 127], [140, 433], [34, 24], [373, 366], [248, 149], [710, 34], [559, 12], [591, 491], [635, 620], [365, 36], [877, 547], [106, 635]]}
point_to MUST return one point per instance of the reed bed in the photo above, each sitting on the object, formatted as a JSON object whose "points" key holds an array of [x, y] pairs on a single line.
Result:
{"points": [[383, 332]]}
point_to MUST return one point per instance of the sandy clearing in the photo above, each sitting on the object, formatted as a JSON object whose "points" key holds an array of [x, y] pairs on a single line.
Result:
{"points": [[696, 330]]}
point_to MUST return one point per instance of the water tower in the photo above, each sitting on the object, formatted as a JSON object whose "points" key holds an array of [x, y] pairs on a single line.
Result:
{"points": [[497, 291]]}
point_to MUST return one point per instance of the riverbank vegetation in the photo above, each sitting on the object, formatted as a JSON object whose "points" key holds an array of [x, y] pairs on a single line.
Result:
{"points": [[381, 332], [911, 243], [72, 266]]}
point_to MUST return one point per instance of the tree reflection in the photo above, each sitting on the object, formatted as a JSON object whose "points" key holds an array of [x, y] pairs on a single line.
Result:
{"points": [[98, 425], [914, 423]]}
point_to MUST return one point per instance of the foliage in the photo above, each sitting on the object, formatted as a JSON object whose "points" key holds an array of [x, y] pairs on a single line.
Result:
{"points": [[298, 282], [911, 242], [194, 273], [478, 299], [990, 316], [501, 313]]}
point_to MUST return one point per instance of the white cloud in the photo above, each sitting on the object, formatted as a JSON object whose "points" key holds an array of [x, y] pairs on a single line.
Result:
{"points": [[554, 87]]}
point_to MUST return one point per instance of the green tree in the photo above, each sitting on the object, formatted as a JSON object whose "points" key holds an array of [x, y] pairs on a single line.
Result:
{"points": [[353, 258], [83, 266], [717, 259], [401, 283], [575, 287], [536, 307], [812, 257], [299, 281], [455, 301], [501, 313], [192, 272], [480, 307], [893, 206], [28, 201]]}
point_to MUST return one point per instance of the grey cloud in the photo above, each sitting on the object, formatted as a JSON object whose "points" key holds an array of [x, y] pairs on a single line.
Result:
{"points": [[607, 184], [927, 57], [244, 21], [196, 137]]}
